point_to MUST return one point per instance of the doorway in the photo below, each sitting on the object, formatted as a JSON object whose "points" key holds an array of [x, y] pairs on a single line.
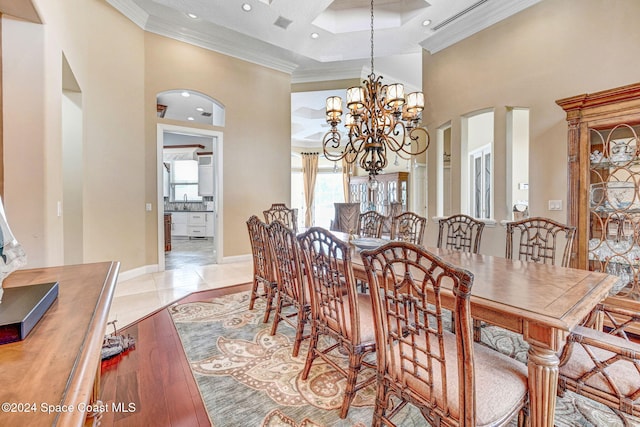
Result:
{"points": [[196, 234]]}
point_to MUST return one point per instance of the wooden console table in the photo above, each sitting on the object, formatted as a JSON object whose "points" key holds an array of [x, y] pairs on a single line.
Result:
{"points": [[49, 377]]}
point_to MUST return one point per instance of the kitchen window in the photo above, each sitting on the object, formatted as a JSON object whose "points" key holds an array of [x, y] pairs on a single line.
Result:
{"points": [[184, 181]]}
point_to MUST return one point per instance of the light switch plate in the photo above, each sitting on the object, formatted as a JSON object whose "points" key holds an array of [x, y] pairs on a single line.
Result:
{"points": [[555, 205], [148, 207]]}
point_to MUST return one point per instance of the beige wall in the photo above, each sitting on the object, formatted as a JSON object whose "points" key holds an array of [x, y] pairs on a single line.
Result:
{"points": [[119, 69], [257, 132], [555, 49]]}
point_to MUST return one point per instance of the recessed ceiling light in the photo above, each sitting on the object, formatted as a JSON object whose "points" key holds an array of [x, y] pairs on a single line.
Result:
{"points": [[426, 22], [246, 7], [185, 94], [192, 15], [315, 35], [200, 109], [190, 118]]}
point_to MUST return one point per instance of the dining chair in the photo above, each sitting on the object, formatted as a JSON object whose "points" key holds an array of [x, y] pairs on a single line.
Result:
{"points": [[408, 227], [395, 209], [448, 377], [537, 239], [345, 217], [370, 224], [460, 232], [604, 366], [338, 312], [292, 291], [280, 212], [263, 274]]}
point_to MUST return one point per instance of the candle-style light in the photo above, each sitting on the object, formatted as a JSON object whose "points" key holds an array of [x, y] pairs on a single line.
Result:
{"points": [[380, 118]]}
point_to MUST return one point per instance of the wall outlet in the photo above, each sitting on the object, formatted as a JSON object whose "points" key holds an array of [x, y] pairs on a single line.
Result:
{"points": [[148, 207], [555, 205]]}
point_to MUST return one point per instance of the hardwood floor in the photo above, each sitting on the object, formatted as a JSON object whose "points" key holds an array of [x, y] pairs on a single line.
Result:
{"points": [[154, 377]]}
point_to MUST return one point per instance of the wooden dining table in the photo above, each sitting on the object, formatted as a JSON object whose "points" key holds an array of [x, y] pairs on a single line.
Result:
{"points": [[540, 301]]}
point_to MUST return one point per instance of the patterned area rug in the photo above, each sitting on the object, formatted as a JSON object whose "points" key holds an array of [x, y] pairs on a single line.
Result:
{"points": [[248, 378]]}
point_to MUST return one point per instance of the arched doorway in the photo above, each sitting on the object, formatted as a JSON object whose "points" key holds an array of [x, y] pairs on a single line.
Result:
{"points": [[189, 180]]}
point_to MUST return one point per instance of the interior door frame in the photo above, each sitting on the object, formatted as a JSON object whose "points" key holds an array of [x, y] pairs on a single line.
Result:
{"points": [[217, 182]]}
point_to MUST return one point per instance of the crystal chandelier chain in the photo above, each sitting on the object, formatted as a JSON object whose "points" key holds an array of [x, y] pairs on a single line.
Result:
{"points": [[380, 118]]}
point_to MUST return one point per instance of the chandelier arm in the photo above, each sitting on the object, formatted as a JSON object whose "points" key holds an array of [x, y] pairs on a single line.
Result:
{"points": [[381, 121], [333, 138]]}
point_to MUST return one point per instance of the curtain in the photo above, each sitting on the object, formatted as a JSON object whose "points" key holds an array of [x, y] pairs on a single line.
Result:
{"points": [[348, 168], [309, 172]]}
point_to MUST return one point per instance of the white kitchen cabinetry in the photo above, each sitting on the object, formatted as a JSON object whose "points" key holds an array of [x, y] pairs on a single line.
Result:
{"points": [[179, 223], [196, 224], [208, 219], [205, 175]]}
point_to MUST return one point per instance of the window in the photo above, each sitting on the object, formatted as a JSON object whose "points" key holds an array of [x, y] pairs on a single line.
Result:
{"points": [[328, 191], [480, 162], [184, 181]]}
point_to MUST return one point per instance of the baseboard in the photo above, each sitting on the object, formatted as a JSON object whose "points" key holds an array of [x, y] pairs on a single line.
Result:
{"points": [[136, 272], [236, 258]]}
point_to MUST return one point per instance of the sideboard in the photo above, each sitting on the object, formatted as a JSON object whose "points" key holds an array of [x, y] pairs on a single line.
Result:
{"points": [[53, 376]]}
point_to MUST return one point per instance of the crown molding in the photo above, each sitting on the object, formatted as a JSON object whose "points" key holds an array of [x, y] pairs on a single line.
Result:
{"points": [[132, 11], [477, 20], [227, 44]]}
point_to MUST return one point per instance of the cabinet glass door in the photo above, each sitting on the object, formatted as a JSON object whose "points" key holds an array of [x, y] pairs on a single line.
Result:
{"points": [[614, 205]]}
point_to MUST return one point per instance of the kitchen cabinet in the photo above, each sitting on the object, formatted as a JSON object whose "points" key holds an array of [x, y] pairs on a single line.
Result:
{"points": [[604, 186], [208, 219], [179, 223], [196, 224], [205, 175]]}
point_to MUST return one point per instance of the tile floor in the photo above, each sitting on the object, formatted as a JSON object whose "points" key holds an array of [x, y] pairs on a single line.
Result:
{"points": [[136, 298]]}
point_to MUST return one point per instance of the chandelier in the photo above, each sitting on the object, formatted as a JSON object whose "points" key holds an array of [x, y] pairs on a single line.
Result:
{"points": [[380, 118]]}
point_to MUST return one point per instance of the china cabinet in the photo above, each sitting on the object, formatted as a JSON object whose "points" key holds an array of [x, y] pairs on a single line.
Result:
{"points": [[603, 186], [379, 195]]}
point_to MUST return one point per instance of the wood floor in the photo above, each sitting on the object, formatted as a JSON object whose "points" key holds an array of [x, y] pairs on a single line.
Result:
{"points": [[155, 375]]}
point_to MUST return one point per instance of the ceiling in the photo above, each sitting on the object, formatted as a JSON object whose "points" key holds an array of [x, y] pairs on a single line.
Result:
{"points": [[278, 34]]}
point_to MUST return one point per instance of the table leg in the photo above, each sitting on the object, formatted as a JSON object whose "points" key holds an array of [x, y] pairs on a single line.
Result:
{"points": [[543, 385]]}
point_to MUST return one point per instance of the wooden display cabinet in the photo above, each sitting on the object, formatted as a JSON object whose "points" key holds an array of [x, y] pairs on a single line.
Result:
{"points": [[390, 188], [603, 186]]}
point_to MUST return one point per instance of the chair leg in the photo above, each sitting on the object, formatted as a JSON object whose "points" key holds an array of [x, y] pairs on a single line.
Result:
{"points": [[477, 330], [311, 354], [302, 320], [380, 405], [278, 315], [254, 294], [267, 310], [355, 362]]}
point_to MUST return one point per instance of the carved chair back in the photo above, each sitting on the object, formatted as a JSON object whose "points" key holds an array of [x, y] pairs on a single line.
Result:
{"points": [[408, 227], [460, 232], [538, 239], [280, 212]]}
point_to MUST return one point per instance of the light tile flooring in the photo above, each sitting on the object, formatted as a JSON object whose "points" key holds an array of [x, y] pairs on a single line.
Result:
{"points": [[141, 296]]}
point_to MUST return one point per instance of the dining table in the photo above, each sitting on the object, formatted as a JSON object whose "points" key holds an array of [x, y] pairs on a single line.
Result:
{"points": [[542, 302]]}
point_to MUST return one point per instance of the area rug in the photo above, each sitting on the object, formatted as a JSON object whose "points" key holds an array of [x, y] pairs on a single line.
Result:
{"points": [[248, 378]]}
